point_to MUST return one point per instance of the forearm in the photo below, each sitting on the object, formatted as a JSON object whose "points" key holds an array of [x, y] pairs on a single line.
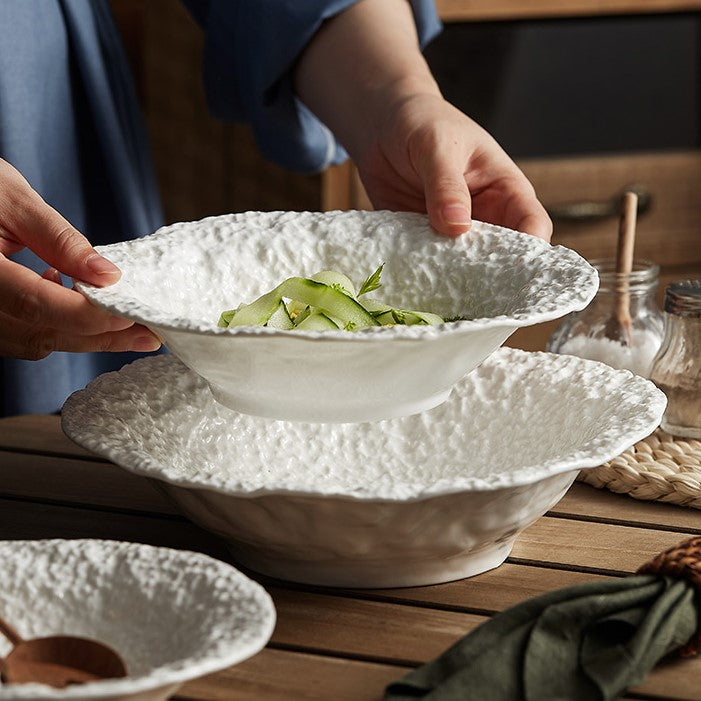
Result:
{"points": [[364, 76], [359, 66]]}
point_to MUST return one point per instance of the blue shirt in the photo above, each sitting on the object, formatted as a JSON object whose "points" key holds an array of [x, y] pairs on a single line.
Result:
{"points": [[70, 123]]}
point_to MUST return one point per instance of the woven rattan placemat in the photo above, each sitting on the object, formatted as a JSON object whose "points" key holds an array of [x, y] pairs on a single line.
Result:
{"points": [[661, 468]]}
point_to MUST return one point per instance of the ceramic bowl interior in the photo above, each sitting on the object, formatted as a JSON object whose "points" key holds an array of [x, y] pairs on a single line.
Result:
{"points": [[406, 501], [171, 615], [178, 280]]}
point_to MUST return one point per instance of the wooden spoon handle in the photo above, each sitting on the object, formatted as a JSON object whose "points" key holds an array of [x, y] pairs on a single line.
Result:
{"points": [[624, 258], [626, 233], [10, 633]]}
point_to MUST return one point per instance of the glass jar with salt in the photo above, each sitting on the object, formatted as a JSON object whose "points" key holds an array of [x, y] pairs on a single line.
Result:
{"points": [[587, 334], [677, 367]]}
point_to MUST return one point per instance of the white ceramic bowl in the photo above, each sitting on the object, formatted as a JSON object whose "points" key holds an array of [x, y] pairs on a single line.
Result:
{"points": [[171, 615], [408, 501], [178, 280]]}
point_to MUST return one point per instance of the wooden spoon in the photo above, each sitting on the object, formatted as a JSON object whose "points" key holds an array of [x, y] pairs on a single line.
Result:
{"points": [[58, 660], [618, 327]]}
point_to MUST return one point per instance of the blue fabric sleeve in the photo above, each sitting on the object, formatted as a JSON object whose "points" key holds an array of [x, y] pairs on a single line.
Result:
{"points": [[251, 46], [71, 124]]}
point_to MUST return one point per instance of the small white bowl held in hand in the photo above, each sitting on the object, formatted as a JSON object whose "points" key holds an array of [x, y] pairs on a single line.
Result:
{"points": [[171, 615], [178, 281], [408, 501]]}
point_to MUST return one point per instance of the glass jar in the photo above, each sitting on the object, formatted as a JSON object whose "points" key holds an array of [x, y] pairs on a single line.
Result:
{"points": [[677, 367], [588, 333]]}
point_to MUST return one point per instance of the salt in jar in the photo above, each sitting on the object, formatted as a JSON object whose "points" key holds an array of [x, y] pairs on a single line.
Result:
{"points": [[587, 334]]}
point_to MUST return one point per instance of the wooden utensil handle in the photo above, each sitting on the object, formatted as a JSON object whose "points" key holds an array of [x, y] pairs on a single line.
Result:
{"points": [[10, 633], [624, 258], [626, 233]]}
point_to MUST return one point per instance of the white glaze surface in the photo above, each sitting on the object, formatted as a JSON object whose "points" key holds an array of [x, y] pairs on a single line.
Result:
{"points": [[171, 615], [342, 542], [403, 502], [516, 419], [185, 274], [178, 280]]}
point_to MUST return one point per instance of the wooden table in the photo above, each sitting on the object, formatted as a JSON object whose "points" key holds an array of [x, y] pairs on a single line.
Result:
{"points": [[339, 644]]}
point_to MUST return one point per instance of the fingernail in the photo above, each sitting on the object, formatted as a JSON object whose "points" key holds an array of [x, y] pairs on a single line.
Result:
{"points": [[119, 324], [101, 265], [52, 275], [456, 214], [146, 344]]}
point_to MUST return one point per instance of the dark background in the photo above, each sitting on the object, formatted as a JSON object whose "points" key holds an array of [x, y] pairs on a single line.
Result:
{"points": [[584, 85]]}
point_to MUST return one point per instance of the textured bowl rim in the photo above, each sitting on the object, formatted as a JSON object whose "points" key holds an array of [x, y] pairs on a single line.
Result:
{"points": [[158, 676], [143, 314], [647, 420]]}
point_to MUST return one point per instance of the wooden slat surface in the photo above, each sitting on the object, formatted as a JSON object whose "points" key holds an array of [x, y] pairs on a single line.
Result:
{"points": [[485, 10], [69, 480], [306, 677], [372, 630], [282, 675], [22, 520], [591, 546], [43, 433], [488, 593], [332, 643], [586, 503]]}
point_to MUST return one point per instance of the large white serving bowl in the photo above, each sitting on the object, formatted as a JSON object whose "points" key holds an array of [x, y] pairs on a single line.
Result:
{"points": [[178, 281], [171, 615], [409, 501]]}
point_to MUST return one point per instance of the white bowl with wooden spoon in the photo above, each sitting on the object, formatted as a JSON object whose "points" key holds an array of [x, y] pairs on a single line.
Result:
{"points": [[170, 615]]}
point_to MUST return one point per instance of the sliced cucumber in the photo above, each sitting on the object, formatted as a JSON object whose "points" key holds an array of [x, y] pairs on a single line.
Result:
{"points": [[337, 280], [375, 307], [226, 317], [295, 308], [317, 322], [423, 318], [257, 313], [328, 300], [299, 318], [407, 318], [280, 318], [388, 318]]}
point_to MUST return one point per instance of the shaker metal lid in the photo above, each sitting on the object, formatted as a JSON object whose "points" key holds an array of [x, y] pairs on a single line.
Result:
{"points": [[683, 298]]}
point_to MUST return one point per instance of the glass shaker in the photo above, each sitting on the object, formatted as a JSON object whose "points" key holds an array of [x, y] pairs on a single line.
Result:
{"points": [[677, 367], [586, 334]]}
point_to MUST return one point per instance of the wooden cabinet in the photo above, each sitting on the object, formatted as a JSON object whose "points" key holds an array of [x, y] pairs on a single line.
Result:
{"points": [[577, 190], [486, 10], [668, 232], [574, 191]]}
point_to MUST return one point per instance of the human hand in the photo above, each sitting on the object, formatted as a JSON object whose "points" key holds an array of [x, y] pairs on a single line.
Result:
{"points": [[37, 314], [364, 76], [430, 157]]}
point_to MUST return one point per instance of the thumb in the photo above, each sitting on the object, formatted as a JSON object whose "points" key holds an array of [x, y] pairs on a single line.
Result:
{"points": [[65, 248], [30, 222], [448, 201]]}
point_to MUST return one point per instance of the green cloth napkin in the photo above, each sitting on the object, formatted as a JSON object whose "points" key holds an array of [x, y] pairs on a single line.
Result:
{"points": [[590, 641]]}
